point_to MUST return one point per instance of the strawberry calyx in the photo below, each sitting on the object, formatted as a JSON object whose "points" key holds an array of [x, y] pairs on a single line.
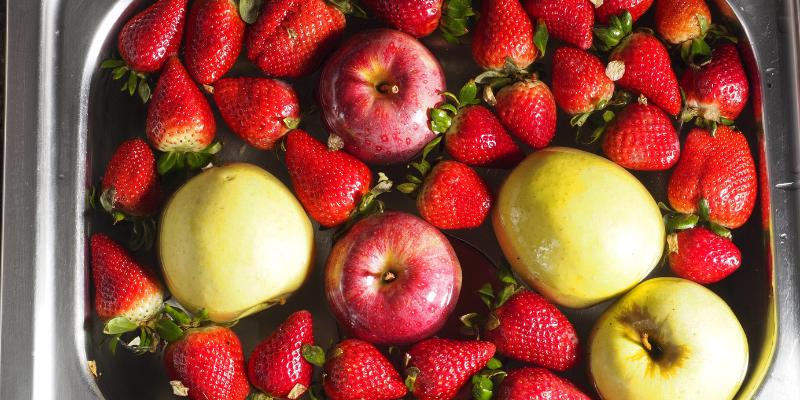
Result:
{"points": [[136, 82], [423, 167], [696, 52], [619, 27], [708, 119], [675, 221], [455, 20], [349, 7], [172, 160], [369, 203], [592, 124], [441, 117], [169, 325], [473, 322], [142, 228], [485, 381]]}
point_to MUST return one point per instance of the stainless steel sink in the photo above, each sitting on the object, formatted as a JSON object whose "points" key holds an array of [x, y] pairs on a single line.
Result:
{"points": [[64, 117]]}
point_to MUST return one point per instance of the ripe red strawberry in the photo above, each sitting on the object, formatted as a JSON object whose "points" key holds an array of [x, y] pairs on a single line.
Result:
{"points": [[528, 110], [329, 183], [277, 366], [641, 64], [130, 184], [528, 328], [580, 84], [258, 110], [438, 368], [642, 138], [476, 137], [123, 287], [214, 35], [570, 21], [356, 370], [718, 89], [209, 362], [680, 20], [416, 17], [503, 33], [718, 169], [179, 118], [291, 37], [701, 255], [453, 196], [530, 383], [637, 8], [151, 37]]}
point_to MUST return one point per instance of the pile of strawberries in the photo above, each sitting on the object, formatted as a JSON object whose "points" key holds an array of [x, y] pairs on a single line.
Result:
{"points": [[616, 83]]}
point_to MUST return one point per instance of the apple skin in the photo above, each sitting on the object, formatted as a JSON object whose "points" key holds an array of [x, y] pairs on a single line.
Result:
{"points": [[704, 351], [577, 227], [409, 306], [233, 240], [375, 93]]}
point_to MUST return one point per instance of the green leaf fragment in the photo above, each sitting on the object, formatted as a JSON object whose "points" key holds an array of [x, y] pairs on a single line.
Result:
{"points": [[313, 354], [119, 325], [144, 91], [167, 162], [407, 187], [132, 83], [249, 10], [494, 364], [469, 93], [703, 209], [168, 330], [112, 63], [541, 37]]}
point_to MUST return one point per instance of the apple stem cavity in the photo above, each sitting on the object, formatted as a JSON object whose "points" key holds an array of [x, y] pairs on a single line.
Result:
{"points": [[652, 347], [386, 88], [388, 277]]}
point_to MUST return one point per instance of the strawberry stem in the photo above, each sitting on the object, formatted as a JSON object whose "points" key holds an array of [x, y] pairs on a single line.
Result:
{"points": [[455, 20]]}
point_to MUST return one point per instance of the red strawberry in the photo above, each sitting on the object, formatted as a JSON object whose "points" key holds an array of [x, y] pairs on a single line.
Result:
{"points": [[642, 138], [130, 183], [528, 110], [291, 37], [329, 183], [149, 38], [570, 21], [453, 196], [277, 366], [718, 89], [209, 363], [179, 118], [580, 84], [503, 33], [438, 368], [123, 287], [637, 8], [214, 36], [701, 255], [719, 169], [476, 137], [641, 64], [530, 383], [528, 328], [680, 20], [356, 370], [416, 17], [259, 110]]}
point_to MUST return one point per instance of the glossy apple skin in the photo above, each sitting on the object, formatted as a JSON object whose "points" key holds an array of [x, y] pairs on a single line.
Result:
{"points": [[694, 326], [412, 306], [358, 104]]}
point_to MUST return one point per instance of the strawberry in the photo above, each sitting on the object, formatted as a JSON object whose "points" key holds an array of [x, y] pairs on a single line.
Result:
{"points": [[291, 37], [179, 119], [528, 328], [356, 370], [642, 138], [609, 8], [528, 110], [209, 363], [452, 196], [123, 287], [329, 183], [715, 176], [701, 255], [258, 110], [416, 17], [530, 383], [719, 89], [580, 84], [214, 35], [277, 366], [570, 21], [130, 183], [678, 21], [641, 64], [438, 368], [504, 33]]}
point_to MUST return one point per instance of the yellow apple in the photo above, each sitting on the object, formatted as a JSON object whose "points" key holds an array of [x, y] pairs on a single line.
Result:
{"points": [[668, 338], [233, 241], [577, 227]]}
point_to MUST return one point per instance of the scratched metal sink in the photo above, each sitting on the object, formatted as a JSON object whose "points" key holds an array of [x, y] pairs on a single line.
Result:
{"points": [[64, 117]]}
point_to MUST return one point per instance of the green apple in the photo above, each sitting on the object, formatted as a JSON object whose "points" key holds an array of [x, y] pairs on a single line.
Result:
{"points": [[577, 227], [668, 338], [233, 241]]}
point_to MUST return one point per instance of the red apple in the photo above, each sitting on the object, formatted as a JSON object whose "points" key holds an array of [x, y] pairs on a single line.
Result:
{"points": [[393, 279], [375, 93]]}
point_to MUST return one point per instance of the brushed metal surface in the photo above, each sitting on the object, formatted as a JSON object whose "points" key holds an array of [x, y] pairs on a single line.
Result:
{"points": [[63, 119]]}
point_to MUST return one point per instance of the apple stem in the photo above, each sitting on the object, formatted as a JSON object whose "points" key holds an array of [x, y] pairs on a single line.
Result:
{"points": [[388, 276], [646, 341], [386, 88]]}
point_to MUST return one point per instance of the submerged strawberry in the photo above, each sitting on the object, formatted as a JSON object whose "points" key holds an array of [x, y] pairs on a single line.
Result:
{"points": [[529, 383], [453, 196], [700, 255], [718, 90], [580, 84], [570, 21], [641, 137], [438, 368], [528, 110], [130, 184], [504, 34], [214, 35], [356, 370]]}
